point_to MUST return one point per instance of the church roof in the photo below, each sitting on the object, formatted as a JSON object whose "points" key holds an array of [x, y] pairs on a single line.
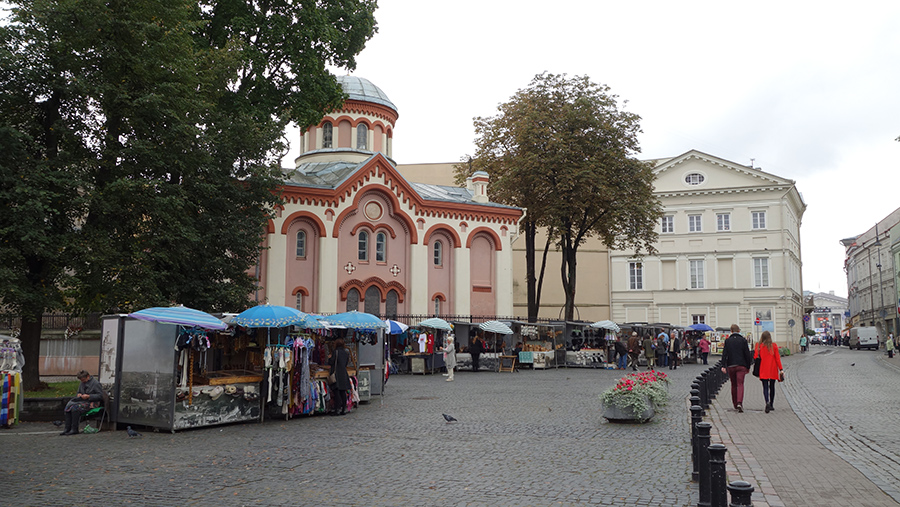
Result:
{"points": [[360, 88]]}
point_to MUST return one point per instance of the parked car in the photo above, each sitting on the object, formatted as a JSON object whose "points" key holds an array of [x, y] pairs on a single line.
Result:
{"points": [[815, 340]]}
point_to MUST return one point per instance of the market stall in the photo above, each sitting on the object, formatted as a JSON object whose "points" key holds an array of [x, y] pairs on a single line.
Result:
{"points": [[11, 396], [543, 345], [585, 345], [175, 368], [424, 355]]}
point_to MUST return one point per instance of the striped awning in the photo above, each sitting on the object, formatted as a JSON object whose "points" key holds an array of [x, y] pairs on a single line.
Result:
{"points": [[495, 326]]}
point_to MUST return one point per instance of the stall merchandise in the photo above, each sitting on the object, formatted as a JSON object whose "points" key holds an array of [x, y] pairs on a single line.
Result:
{"points": [[543, 345], [11, 396]]}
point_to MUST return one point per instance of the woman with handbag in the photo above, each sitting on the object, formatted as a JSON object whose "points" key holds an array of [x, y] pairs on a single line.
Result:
{"points": [[770, 369], [339, 378]]}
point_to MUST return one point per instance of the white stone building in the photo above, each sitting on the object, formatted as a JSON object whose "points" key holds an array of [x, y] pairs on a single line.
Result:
{"points": [[728, 252]]}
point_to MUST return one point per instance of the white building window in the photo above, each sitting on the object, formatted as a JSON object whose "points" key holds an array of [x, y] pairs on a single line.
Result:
{"points": [[668, 224], [761, 272], [697, 277], [723, 222], [759, 219], [300, 301], [694, 179], [301, 244], [438, 253], [381, 247], [362, 137], [698, 319], [327, 135], [695, 223], [636, 275], [437, 306], [363, 244]]}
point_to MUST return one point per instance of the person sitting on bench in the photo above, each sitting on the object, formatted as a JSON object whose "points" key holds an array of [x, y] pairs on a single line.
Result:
{"points": [[90, 394]]}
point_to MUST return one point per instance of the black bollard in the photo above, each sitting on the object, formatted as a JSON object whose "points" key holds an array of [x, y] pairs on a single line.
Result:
{"points": [[704, 389], [741, 493], [703, 462], [696, 418], [695, 393], [717, 481]]}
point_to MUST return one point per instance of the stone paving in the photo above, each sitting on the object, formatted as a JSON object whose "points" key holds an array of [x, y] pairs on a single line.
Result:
{"points": [[832, 440], [527, 438]]}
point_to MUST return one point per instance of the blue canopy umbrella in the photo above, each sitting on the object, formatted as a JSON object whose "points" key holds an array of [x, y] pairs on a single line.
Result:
{"points": [[436, 323], [274, 316], [356, 320], [701, 327], [179, 315], [395, 327]]}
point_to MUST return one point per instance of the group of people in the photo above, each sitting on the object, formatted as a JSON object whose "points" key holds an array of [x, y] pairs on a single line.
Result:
{"points": [[738, 359], [659, 351]]}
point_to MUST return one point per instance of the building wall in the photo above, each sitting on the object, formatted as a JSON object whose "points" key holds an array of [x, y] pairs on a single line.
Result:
{"points": [[870, 288]]}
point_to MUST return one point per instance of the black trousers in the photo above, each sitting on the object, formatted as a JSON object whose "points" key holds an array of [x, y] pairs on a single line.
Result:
{"points": [[475, 358]]}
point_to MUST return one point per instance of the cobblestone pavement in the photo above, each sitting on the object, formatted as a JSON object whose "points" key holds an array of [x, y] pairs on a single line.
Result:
{"points": [[834, 442], [526, 438]]}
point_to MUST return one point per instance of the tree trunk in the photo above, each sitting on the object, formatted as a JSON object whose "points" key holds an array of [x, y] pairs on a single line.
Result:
{"points": [[568, 269], [533, 305], [31, 348]]}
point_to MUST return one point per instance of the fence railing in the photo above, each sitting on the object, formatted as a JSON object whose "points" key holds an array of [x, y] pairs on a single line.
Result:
{"points": [[54, 321]]}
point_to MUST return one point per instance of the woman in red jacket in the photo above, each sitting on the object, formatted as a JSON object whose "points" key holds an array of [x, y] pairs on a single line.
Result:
{"points": [[770, 369]]}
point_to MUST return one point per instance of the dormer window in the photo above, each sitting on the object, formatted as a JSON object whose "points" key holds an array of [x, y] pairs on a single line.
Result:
{"points": [[694, 179]]}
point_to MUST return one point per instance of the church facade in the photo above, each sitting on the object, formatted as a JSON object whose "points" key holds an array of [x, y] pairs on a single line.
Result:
{"points": [[354, 234]]}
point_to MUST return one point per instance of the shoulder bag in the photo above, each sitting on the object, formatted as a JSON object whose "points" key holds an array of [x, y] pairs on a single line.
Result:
{"points": [[756, 360]]}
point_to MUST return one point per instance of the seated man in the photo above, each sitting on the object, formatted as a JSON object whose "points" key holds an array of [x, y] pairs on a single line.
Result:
{"points": [[90, 394]]}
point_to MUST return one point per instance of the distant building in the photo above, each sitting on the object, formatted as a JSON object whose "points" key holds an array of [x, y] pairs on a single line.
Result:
{"points": [[870, 264], [830, 314]]}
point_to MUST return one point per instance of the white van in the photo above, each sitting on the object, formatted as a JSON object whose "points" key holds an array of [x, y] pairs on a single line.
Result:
{"points": [[861, 337]]}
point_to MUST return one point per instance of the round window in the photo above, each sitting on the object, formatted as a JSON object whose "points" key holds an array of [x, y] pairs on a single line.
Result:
{"points": [[373, 210]]}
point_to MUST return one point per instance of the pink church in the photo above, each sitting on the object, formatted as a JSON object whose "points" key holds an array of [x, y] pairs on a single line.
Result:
{"points": [[355, 235]]}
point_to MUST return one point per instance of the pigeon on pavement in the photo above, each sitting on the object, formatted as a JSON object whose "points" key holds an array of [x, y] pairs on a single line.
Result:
{"points": [[448, 418], [852, 364], [57, 423], [132, 433]]}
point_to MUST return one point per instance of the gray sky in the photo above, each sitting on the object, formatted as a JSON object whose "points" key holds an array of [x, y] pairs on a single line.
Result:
{"points": [[809, 90]]}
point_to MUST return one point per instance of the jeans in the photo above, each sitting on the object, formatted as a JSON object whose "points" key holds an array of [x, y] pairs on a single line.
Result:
{"points": [[769, 390], [736, 376], [621, 360], [705, 356]]}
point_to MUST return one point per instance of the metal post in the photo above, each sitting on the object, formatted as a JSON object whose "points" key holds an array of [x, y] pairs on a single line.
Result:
{"points": [[696, 418], [704, 389], [718, 493], [703, 463], [741, 493]]}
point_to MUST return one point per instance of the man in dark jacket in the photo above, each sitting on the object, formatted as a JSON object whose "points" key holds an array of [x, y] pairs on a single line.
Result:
{"points": [[621, 353], [674, 350], [634, 350], [736, 357], [90, 394]]}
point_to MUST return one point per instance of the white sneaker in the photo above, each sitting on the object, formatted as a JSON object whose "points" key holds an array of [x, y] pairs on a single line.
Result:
{"points": [[445, 374], [449, 380]]}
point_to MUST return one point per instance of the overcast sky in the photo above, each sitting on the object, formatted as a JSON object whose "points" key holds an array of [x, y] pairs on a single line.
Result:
{"points": [[808, 90]]}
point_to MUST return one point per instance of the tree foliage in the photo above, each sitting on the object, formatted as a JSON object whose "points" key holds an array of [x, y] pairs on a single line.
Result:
{"points": [[141, 142], [563, 149]]}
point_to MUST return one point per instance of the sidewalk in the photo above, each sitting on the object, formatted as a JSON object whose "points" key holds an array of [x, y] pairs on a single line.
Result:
{"points": [[781, 458]]}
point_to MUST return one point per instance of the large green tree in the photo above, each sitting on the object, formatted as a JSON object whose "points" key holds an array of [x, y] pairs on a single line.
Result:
{"points": [[146, 138], [562, 148]]}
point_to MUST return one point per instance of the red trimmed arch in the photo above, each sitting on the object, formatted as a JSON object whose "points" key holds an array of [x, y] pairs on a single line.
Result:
{"points": [[363, 285], [303, 214], [443, 227], [413, 235], [301, 290], [374, 228], [498, 246], [438, 295]]}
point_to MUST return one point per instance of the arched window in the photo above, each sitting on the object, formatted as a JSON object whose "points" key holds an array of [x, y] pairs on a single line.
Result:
{"points": [[327, 135], [438, 253], [352, 300], [301, 243], [362, 137], [300, 301], [373, 301], [363, 246], [437, 305], [381, 247], [390, 304]]}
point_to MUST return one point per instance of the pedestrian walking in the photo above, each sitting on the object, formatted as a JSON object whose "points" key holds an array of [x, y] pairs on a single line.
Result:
{"points": [[662, 354], [621, 353], [889, 345], [674, 349], [803, 343], [475, 350], [736, 358], [650, 352], [770, 370], [449, 351], [704, 346], [634, 350], [340, 358]]}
